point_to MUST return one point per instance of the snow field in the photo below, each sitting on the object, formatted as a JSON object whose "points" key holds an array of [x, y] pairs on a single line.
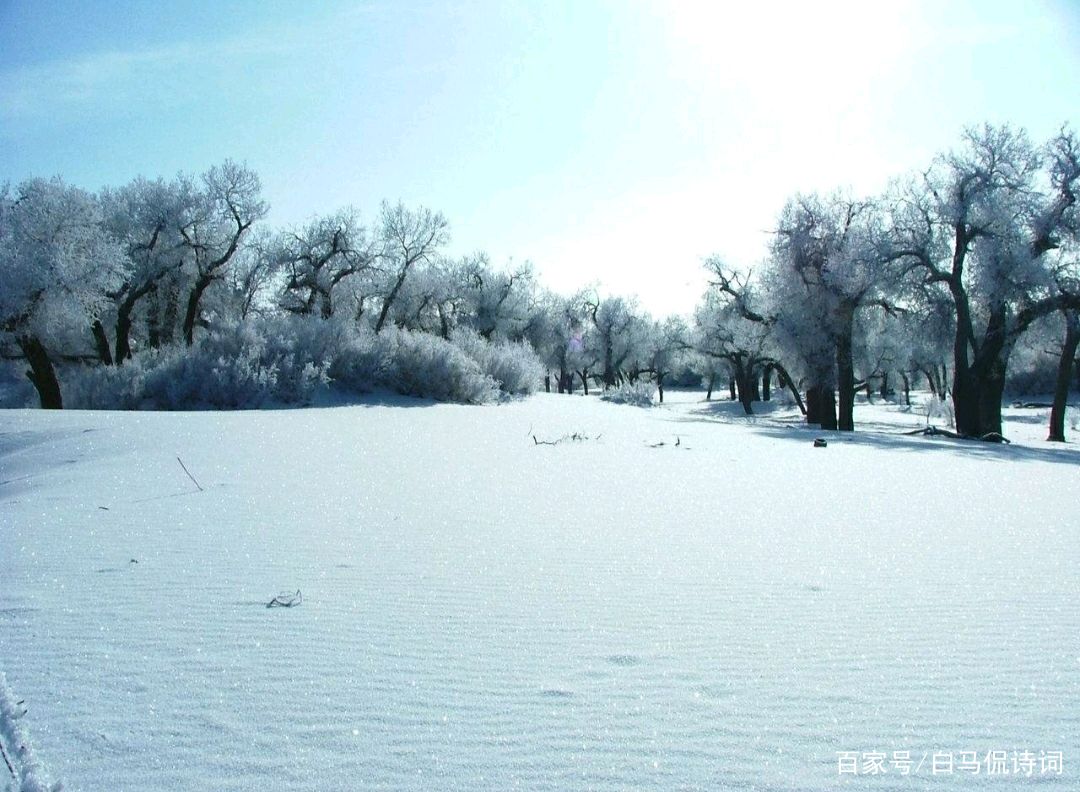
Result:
{"points": [[481, 612]]}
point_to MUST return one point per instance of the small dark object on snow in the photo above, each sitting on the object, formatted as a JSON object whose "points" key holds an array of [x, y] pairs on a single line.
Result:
{"points": [[286, 600], [133, 561], [820, 442]]}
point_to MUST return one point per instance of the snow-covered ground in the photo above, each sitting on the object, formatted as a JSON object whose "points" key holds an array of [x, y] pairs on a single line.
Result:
{"points": [[731, 611]]}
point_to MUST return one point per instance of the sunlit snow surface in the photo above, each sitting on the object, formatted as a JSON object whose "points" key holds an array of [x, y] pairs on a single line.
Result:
{"points": [[482, 612]]}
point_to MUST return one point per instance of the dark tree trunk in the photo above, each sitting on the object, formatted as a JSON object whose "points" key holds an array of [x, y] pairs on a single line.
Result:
{"points": [[389, 301], [931, 383], [766, 384], [884, 391], [123, 330], [192, 312], [827, 408], [731, 388], [41, 373], [845, 369], [979, 386], [171, 316], [709, 387], [123, 320], [813, 405], [1064, 374], [907, 388], [547, 383], [584, 374], [746, 384], [101, 342], [660, 385], [787, 382]]}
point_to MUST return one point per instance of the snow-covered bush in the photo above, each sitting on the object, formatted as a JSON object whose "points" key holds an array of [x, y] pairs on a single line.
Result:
{"points": [[15, 389], [940, 409], [638, 394], [280, 360], [360, 364], [420, 364], [515, 367], [286, 359]]}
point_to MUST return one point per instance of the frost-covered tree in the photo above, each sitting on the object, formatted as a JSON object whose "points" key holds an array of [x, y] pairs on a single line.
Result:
{"points": [[316, 258], [825, 268], [986, 224], [407, 238], [56, 264], [228, 204], [730, 325], [618, 330], [145, 216], [665, 346], [498, 300]]}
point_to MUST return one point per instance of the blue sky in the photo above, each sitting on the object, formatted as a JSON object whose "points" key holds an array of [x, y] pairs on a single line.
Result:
{"points": [[615, 142]]}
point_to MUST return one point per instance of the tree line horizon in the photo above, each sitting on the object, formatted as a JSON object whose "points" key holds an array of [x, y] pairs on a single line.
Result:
{"points": [[935, 279]]}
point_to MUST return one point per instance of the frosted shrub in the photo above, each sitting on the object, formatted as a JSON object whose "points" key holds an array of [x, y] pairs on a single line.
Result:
{"points": [[251, 364], [638, 394], [940, 410], [514, 366], [420, 364], [105, 387], [1072, 416], [360, 364], [15, 389]]}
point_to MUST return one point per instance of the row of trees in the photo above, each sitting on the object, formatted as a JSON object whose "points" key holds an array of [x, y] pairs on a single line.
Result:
{"points": [[937, 279]]}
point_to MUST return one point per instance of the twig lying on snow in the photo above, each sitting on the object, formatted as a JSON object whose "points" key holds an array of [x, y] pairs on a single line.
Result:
{"points": [[576, 437], [178, 459], [286, 600], [933, 431], [662, 443]]}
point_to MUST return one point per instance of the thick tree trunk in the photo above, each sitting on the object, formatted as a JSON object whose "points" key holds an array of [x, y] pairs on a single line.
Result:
{"points": [[389, 301], [547, 383], [884, 390], [766, 384], [746, 384], [192, 312], [821, 406], [731, 388], [978, 386], [827, 408], [41, 373], [123, 330], [101, 342], [845, 369], [813, 405], [1064, 375]]}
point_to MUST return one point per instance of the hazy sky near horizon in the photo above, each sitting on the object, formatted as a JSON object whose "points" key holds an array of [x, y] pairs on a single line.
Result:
{"points": [[615, 142]]}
